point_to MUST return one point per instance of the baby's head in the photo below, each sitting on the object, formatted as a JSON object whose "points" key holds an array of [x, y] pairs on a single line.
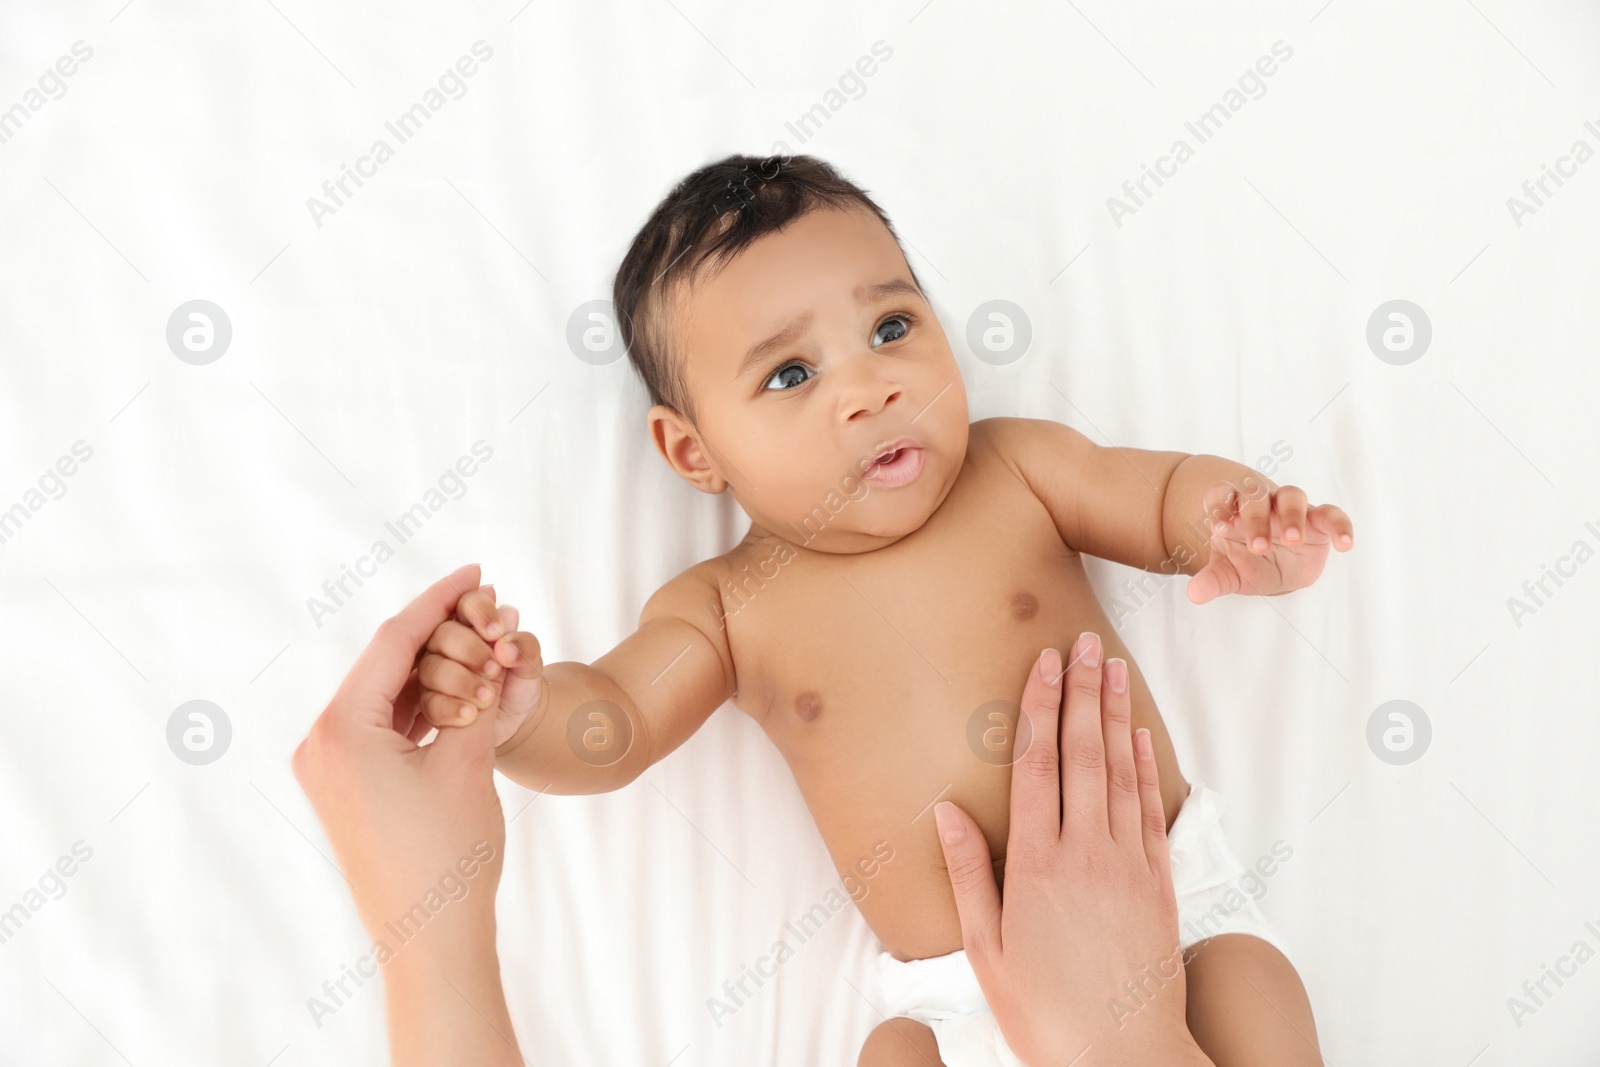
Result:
{"points": [[787, 346]]}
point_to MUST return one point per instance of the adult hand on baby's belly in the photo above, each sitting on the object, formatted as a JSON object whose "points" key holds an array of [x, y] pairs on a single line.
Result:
{"points": [[1089, 901]]}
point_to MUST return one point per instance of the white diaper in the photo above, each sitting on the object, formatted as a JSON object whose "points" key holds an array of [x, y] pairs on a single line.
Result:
{"points": [[1215, 896]]}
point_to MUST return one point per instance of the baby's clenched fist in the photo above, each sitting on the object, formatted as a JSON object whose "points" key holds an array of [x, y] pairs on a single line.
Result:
{"points": [[479, 661]]}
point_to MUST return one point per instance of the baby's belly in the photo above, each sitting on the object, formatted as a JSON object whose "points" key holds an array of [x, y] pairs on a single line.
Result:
{"points": [[889, 729], [867, 811]]}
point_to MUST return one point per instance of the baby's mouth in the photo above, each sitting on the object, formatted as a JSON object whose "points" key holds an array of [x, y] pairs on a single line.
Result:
{"points": [[896, 467]]}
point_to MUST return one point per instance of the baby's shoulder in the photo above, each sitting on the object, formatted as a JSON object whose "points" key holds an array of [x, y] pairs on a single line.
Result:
{"points": [[694, 594], [701, 588], [1016, 438], [1016, 445], [1026, 445]]}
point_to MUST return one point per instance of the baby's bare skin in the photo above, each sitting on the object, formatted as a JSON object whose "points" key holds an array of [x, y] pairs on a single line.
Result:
{"points": [[867, 670], [873, 627]]}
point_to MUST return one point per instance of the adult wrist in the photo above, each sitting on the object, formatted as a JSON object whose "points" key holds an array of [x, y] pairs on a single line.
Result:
{"points": [[1179, 1050], [447, 943], [446, 1004]]}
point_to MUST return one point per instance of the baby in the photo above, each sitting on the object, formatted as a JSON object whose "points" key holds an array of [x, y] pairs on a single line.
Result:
{"points": [[902, 570]]}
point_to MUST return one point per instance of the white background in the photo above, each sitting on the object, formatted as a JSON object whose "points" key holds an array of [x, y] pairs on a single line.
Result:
{"points": [[1227, 315]]}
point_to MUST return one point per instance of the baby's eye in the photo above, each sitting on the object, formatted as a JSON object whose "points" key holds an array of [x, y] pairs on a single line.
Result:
{"points": [[789, 376], [897, 320]]}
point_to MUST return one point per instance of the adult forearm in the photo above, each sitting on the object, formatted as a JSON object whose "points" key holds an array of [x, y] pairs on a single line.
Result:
{"points": [[1186, 530], [1180, 1052], [445, 1001]]}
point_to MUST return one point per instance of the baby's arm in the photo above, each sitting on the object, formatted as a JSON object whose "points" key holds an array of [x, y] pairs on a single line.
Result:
{"points": [[592, 728], [1157, 510], [1122, 504]]}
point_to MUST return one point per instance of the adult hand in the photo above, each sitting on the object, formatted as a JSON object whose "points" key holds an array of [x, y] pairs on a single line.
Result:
{"points": [[419, 834], [1083, 959]]}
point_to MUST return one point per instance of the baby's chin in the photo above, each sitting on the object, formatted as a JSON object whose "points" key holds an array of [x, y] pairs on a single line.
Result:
{"points": [[855, 533]]}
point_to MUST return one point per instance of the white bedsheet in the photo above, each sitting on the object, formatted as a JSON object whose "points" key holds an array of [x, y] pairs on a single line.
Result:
{"points": [[1226, 313]]}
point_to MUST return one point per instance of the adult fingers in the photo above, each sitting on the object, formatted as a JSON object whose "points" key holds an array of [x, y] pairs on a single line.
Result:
{"points": [[419, 729], [380, 672], [1122, 776], [1036, 770], [966, 856], [1152, 816], [1083, 750], [406, 705]]}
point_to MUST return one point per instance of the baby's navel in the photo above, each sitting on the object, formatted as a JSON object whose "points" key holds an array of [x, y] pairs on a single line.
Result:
{"points": [[1024, 606], [808, 706]]}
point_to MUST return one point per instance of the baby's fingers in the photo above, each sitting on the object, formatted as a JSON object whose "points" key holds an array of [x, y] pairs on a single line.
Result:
{"points": [[477, 610], [1220, 503], [1332, 521], [1255, 511], [1290, 502], [521, 654], [452, 694], [440, 710], [1219, 577], [458, 642]]}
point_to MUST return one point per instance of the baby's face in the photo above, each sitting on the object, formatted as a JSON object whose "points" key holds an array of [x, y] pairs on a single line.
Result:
{"points": [[809, 357]]}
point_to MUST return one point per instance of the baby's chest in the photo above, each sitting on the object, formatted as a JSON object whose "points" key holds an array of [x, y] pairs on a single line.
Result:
{"points": [[831, 650]]}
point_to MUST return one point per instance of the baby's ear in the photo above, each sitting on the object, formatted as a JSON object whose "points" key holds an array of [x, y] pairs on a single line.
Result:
{"points": [[679, 444]]}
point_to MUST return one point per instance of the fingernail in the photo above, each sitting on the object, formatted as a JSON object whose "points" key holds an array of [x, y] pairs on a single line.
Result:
{"points": [[490, 669], [1050, 666], [484, 693], [1087, 650], [951, 828], [1292, 534], [511, 651], [493, 631], [468, 713], [1259, 544], [1117, 675], [1142, 743]]}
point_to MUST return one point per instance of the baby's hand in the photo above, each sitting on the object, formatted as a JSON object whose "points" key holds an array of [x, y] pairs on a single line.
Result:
{"points": [[478, 661], [1268, 543]]}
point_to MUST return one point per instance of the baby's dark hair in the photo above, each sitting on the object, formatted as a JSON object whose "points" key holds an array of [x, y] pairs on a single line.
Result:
{"points": [[711, 216]]}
